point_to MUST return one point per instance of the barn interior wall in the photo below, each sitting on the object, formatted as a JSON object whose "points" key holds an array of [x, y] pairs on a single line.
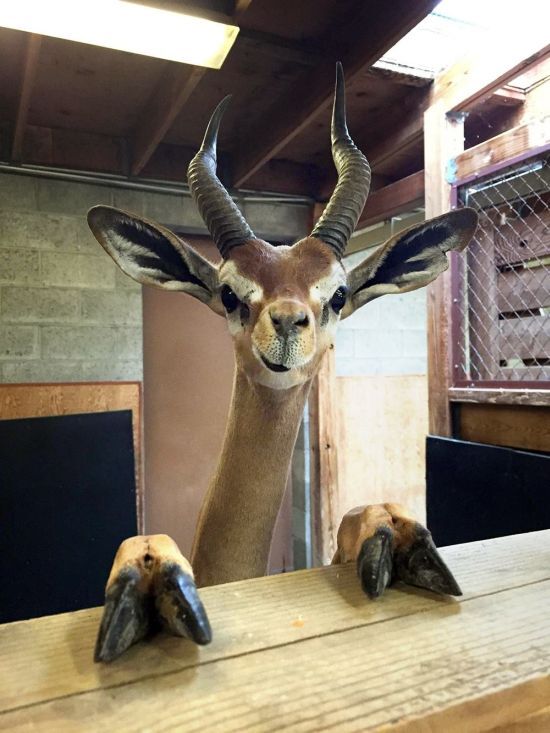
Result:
{"points": [[66, 312]]}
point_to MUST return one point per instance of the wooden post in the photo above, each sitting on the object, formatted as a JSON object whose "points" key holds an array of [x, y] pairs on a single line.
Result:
{"points": [[443, 140], [324, 461]]}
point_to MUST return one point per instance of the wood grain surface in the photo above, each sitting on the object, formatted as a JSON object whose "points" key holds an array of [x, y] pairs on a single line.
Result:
{"points": [[307, 651]]}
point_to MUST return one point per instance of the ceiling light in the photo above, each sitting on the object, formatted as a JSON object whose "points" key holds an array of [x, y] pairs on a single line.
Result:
{"points": [[124, 26]]}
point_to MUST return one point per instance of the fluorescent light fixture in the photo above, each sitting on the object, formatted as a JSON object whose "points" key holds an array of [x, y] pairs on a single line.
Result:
{"points": [[124, 26]]}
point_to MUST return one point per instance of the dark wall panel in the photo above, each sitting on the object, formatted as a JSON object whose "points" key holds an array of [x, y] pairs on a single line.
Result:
{"points": [[67, 499], [477, 491]]}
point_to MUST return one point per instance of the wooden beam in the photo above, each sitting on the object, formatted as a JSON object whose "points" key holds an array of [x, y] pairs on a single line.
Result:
{"points": [[179, 82], [30, 65], [518, 140], [508, 96], [365, 37], [408, 132], [478, 76], [73, 149], [240, 8], [398, 197], [443, 139]]}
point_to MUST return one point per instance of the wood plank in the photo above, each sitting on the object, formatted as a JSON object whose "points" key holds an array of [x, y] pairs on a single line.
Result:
{"points": [[454, 669], [396, 198], [523, 289], [523, 239], [514, 426], [44, 400], [51, 657], [482, 315], [30, 66], [327, 473], [443, 139], [518, 140], [368, 36], [540, 374], [509, 96], [479, 75], [407, 132], [382, 422], [525, 338], [500, 396], [74, 149], [178, 83]]}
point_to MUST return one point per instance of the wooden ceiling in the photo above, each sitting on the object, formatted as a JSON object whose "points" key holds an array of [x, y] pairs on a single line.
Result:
{"points": [[74, 106]]}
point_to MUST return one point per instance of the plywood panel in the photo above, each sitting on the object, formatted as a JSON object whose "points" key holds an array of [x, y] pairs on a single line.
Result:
{"points": [[382, 426], [516, 426], [43, 400]]}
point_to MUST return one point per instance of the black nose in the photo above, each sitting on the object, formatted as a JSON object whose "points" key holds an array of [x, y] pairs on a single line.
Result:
{"points": [[285, 319]]}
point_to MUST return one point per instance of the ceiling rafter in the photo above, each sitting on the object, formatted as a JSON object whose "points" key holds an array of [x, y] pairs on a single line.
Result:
{"points": [[30, 66], [367, 39], [178, 83]]}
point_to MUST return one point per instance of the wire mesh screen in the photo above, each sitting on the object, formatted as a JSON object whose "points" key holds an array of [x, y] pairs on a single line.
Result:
{"points": [[501, 317]]}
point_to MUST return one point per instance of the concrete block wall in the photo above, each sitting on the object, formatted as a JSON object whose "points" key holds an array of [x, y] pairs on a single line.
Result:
{"points": [[66, 312], [387, 336]]}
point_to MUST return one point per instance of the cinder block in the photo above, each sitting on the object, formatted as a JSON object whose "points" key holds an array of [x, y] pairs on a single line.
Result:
{"points": [[367, 317], [357, 367], [415, 343], [92, 343], [124, 281], [17, 192], [381, 343], [31, 230], [39, 304], [114, 371], [405, 311], [123, 306], [403, 365], [18, 267], [78, 270], [18, 341], [39, 370], [70, 197], [345, 343]]}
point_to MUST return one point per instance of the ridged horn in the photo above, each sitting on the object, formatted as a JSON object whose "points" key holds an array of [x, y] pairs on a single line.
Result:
{"points": [[342, 212], [221, 215]]}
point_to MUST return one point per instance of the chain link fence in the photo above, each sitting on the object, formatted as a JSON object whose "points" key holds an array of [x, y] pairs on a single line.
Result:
{"points": [[501, 286]]}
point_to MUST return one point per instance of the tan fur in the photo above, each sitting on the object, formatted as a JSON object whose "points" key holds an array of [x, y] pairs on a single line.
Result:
{"points": [[295, 283], [147, 553]]}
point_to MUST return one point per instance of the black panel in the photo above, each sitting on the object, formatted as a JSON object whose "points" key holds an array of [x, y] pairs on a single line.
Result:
{"points": [[477, 491], [67, 499]]}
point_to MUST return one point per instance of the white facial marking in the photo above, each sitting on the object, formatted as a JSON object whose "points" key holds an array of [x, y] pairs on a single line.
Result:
{"points": [[245, 289], [324, 289]]}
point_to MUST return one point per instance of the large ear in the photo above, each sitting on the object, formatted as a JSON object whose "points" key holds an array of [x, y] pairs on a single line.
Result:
{"points": [[410, 259], [153, 255]]}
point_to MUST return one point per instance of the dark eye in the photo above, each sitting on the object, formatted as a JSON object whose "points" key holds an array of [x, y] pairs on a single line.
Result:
{"points": [[338, 300], [229, 299]]}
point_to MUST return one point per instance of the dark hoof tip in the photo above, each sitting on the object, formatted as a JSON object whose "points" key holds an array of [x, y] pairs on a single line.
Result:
{"points": [[374, 563]]}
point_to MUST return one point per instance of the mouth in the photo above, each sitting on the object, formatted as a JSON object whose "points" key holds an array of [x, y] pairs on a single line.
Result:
{"points": [[274, 367]]}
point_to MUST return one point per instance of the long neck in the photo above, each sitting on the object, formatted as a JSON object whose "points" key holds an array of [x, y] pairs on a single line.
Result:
{"points": [[237, 518]]}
